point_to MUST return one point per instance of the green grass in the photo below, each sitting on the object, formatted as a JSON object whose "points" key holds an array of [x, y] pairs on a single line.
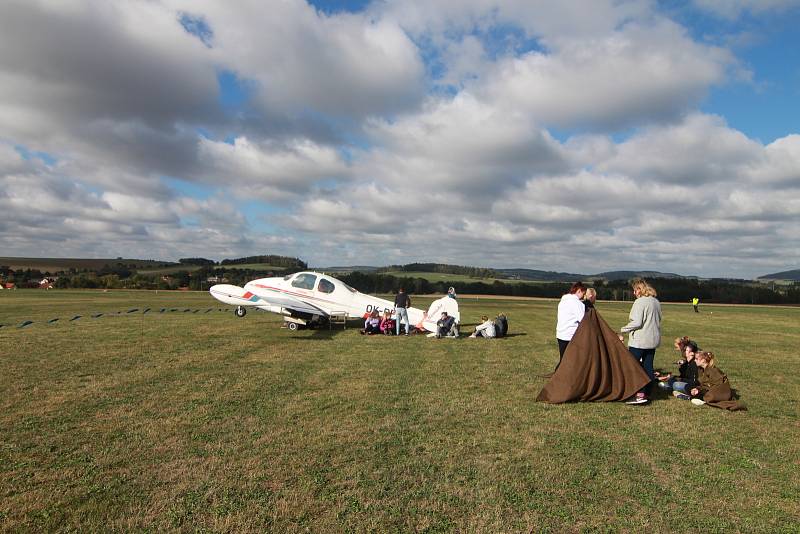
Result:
{"points": [[204, 422]]}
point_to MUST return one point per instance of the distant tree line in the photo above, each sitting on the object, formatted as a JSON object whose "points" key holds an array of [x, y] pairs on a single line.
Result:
{"points": [[196, 261], [122, 276], [277, 261], [444, 268], [669, 289]]}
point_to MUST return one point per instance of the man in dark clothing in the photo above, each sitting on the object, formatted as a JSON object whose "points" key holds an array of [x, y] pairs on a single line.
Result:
{"points": [[401, 304], [445, 326]]}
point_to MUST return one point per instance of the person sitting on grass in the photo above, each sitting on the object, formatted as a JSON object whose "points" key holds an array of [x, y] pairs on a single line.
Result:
{"points": [[714, 388], [687, 371], [373, 324], [446, 326], [485, 329], [387, 323]]}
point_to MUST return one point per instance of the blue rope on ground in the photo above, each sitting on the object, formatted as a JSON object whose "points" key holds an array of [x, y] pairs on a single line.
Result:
{"points": [[25, 323], [133, 310], [76, 318], [145, 311], [96, 315], [51, 321]]}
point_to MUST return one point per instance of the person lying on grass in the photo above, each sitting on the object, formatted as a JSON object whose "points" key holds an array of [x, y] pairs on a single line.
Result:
{"points": [[714, 388]]}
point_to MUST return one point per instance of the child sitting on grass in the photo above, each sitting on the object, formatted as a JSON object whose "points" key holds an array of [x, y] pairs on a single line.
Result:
{"points": [[714, 388], [687, 371], [372, 324], [387, 325]]}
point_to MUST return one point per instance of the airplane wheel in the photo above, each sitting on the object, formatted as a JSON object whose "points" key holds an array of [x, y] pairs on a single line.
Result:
{"points": [[292, 326], [240, 311]]}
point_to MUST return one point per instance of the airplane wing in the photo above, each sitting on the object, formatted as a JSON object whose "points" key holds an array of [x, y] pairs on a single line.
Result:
{"points": [[238, 296], [292, 304]]}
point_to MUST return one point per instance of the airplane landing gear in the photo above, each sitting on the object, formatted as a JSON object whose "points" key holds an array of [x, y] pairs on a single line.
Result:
{"points": [[240, 311], [292, 326]]}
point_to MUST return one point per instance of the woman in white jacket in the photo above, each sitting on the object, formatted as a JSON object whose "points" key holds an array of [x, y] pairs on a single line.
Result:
{"points": [[570, 314], [485, 329]]}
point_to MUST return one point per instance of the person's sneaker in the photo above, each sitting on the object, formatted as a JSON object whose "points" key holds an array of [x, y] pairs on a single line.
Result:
{"points": [[679, 395], [698, 402], [640, 398]]}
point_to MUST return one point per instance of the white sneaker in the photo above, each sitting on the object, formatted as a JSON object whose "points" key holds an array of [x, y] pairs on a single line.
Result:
{"points": [[638, 399], [698, 402]]}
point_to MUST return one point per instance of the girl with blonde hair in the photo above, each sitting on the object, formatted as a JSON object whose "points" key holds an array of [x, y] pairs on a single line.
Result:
{"points": [[714, 388], [644, 332]]}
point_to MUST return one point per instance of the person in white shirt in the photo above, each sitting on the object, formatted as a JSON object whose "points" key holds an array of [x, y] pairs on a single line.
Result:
{"points": [[570, 313], [485, 329]]}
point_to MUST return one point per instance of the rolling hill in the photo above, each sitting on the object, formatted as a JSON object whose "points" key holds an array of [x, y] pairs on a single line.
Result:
{"points": [[793, 275]]}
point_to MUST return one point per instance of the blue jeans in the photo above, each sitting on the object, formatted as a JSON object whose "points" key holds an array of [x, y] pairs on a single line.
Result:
{"points": [[674, 384], [402, 312], [645, 357]]}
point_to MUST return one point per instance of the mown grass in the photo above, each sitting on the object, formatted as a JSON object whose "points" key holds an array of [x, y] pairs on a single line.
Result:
{"points": [[200, 421]]}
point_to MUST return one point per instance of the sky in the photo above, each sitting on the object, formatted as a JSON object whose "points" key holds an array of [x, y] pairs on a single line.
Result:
{"points": [[579, 136]]}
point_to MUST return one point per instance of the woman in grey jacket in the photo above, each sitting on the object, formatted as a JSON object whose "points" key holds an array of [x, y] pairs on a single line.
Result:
{"points": [[644, 332]]}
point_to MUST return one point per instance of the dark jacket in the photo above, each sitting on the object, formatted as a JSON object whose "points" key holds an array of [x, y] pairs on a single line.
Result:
{"points": [[688, 374], [402, 300], [445, 324]]}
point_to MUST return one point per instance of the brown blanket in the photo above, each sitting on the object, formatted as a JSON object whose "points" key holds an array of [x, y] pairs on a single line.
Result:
{"points": [[716, 391], [596, 367]]}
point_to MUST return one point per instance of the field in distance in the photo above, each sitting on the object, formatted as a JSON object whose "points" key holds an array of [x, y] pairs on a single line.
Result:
{"points": [[198, 421], [446, 277], [53, 265]]}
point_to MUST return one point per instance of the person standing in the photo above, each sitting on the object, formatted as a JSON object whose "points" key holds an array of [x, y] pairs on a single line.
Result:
{"points": [[401, 304], [696, 304], [570, 313], [644, 332]]}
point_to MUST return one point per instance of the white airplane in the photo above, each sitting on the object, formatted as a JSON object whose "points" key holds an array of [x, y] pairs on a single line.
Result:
{"points": [[308, 298]]}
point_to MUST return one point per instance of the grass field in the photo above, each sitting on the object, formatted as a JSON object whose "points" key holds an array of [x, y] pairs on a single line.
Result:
{"points": [[204, 422]]}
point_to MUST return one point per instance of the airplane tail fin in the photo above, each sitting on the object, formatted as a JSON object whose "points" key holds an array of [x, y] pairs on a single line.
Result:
{"points": [[444, 304]]}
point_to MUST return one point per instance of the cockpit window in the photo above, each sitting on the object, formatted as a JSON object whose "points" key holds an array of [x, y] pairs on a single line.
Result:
{"points": [[305, 281], [325, 286]]}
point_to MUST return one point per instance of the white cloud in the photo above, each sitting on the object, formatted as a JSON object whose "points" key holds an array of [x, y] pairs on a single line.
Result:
{"points": [[732, 9], [700, 149], [345, 65], [634, 74], [413, 131]]}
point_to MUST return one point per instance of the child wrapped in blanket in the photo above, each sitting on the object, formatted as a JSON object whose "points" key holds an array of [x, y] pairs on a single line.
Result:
{"points": [[714, 388]]}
